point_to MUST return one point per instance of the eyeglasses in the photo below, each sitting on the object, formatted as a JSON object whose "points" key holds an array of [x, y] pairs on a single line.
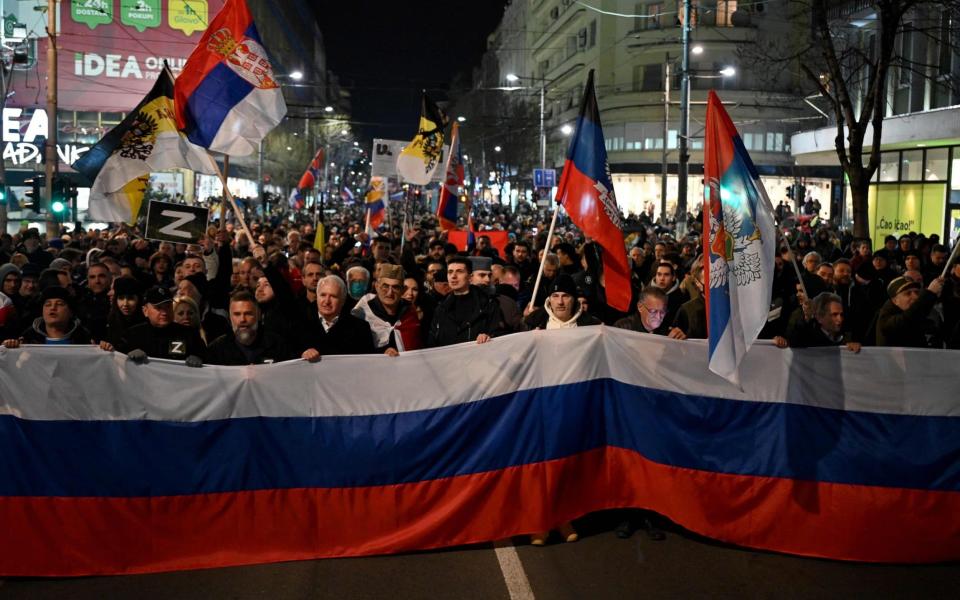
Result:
{"points": [[387, 286], [658, 313]]}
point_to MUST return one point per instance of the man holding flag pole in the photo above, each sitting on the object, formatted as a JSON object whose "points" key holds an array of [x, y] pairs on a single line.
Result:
{"points": [[586, 193]]}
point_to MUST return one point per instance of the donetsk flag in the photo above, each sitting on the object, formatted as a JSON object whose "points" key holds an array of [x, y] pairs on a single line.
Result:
{"points": [[146, 140], [312, 174], [447, 205], [586, 192], [419, 159], [227, 98], [739, 240]]}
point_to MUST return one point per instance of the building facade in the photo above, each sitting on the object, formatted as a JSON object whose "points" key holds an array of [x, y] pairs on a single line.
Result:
{"points": [[634, 47], [917, 186]]}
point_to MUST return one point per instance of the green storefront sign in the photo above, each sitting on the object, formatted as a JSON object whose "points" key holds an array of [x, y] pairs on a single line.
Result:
{"points": [[92, 12], [140, 14]]}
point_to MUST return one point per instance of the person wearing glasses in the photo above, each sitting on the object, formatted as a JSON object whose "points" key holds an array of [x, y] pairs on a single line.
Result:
{"points": [[394, 324], [651, 315]]}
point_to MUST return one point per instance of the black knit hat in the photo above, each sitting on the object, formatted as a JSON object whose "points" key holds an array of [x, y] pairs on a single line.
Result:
{"points": [[563, 283]]}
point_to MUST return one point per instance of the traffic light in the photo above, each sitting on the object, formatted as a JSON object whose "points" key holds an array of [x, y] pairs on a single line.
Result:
{"points": [[63, 195], [35, 193]]}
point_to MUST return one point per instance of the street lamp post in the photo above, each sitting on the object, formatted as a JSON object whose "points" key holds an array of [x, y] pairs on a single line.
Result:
{"points": [[513, 78], [683, 170]]}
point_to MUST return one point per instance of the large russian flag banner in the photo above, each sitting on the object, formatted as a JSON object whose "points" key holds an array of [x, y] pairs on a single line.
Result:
{"points": [[112, 467], [586, 193], [739, 242], [226, 97]]}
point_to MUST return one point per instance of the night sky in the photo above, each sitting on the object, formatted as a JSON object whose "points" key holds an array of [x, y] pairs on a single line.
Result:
{"points": [[386, 52]]}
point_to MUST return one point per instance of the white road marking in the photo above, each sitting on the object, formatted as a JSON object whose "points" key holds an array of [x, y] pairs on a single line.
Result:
{"points": [[513, 574]]}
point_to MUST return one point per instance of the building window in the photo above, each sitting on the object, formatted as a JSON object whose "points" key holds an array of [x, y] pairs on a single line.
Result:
{"points": [[725, 10], [672, 139], [936, 168], [654, 12], [593, 34], [912, 166], [652, 77], [889, 166], [637, 78]]}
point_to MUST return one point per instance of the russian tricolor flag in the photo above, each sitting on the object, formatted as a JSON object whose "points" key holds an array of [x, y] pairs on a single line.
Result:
{"points": [[112, 467], [586, 192], [739, 244], [226, 97]]}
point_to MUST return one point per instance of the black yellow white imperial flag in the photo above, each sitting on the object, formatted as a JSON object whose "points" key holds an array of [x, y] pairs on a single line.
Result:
{"points": [[421, 157], [147, 140]]}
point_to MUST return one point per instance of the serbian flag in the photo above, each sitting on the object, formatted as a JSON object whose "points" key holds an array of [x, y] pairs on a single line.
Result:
{"points": [[739, 241], [376, 203], [226, 97], [312, 174], [586, 193], [346, 195], [447, 206]]}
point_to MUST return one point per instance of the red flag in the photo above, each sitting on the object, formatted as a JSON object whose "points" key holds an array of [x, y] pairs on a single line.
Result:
{"points": [[312, 174], [586, 192]]}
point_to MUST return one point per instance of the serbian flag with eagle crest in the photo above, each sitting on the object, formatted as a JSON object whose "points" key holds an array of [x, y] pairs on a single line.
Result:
{"points": [[739, 244], [586, 193], [226, 97]]}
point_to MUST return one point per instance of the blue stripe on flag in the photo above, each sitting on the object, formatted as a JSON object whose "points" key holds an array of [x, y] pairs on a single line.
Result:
{"points": [[150, 458], [214, 98]]}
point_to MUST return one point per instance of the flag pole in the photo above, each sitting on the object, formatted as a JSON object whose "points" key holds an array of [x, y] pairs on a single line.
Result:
{"points": [[793, 261], [223, 205], [953, 255], [546, 250], [233, 203]]}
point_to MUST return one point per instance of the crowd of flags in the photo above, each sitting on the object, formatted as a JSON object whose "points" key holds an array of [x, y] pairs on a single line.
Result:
{"points": [[227, 100]]}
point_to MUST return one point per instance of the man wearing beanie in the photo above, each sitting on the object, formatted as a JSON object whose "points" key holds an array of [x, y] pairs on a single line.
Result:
{"points": [[902, 320], [56, 324], [481, 276], [561, 309]]}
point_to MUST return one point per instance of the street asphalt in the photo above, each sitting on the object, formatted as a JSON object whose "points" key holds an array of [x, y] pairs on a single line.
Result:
{"points": [[599, 566]]}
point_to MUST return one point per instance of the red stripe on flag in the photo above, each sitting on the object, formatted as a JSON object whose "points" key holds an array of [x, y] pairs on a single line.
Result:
{"points": [[580, 198], [236, 17], [44, 536]]}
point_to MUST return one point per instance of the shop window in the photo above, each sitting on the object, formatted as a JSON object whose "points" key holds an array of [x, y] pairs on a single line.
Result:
{"points": [[936, 167], [911, 168], [889, 166]]}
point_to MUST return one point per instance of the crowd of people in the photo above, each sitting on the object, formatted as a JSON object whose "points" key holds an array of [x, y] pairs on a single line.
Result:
{"points": [[232, 300]]}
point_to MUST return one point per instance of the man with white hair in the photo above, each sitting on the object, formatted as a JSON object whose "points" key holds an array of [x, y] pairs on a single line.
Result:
{"points": [[336, 330]]}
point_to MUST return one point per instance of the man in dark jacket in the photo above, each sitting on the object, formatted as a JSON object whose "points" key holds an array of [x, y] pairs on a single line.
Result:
{"points": [[247, 343], [650, 315], [902, 320], [825, 326], [159, 336], [56, 325], [468, 313], [94, 305], [336, 331]]}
